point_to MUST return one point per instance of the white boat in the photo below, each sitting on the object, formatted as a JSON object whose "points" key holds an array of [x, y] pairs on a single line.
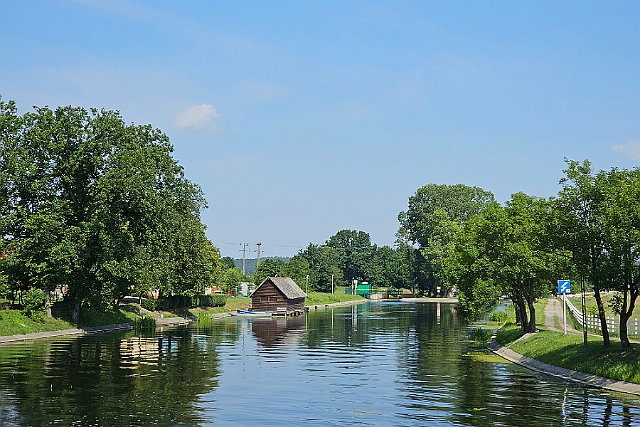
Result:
{"points": [[249, 313]]}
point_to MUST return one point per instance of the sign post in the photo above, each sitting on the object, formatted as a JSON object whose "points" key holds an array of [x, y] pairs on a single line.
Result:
{"points": [[564, 288]]}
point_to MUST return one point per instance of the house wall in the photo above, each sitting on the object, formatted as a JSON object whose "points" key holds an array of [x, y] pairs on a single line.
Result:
{"points": [[267, 298]]}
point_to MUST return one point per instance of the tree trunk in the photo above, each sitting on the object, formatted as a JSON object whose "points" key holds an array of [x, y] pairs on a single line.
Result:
{"points": [[532, 316], [625, 314], [517, 310], [603, 318], [523, 314], [48, 304], [77, 303]]}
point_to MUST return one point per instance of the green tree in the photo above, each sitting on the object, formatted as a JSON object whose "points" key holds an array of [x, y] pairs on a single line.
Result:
{"points": [[508, 250], [434, 216], [621, 219], [231, 279], [269, 267], [355, 254], [581, 204], [228, 262], [323, 264], [101, 206], [297, 268]]}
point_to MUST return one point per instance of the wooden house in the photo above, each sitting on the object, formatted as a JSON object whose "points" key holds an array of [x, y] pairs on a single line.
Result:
{"points": [[278, 294]]}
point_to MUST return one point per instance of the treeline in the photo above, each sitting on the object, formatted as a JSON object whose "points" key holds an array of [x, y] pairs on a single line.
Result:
{"points": [[346, 256], [589, 232], [97, 207]]}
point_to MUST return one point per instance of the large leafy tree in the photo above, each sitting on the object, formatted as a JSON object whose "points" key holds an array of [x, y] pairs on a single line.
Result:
{"points": [[434, 216], [621, 220], [98, 205], [355, 254], [508, 250], [269, 267], [581, 206], [323, 262]]}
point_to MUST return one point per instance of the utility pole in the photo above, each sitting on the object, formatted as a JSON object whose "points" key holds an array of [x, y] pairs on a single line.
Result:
{"points": [[258, 255], [244, 253]]}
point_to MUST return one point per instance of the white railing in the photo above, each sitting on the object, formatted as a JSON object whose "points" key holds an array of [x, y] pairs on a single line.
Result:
{"points": [[613, 323]]}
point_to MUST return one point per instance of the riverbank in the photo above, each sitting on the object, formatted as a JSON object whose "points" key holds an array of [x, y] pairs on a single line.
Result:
{"points": [[330, 300], [565, 356]]}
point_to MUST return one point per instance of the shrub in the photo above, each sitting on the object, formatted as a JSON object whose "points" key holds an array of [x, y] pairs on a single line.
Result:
{"points": [[33, 303], [217, 300], [149, 304], [498, 316], [480, 335], [176, 302]]}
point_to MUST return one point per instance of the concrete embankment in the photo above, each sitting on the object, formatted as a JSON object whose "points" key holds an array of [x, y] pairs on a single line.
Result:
{"points": [[64, 332], [335, 304], [563, 373], [160, 322]]}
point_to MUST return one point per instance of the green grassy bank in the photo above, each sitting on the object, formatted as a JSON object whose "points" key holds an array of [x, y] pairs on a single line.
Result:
{"points": [[568, 351], [13, 322]]}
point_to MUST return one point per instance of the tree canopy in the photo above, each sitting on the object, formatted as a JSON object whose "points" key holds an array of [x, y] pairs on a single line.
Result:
{"points": [[97, 205]]}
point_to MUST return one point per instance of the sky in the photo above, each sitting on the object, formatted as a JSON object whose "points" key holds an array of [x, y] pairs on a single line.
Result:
{"points": [[302, 118]]}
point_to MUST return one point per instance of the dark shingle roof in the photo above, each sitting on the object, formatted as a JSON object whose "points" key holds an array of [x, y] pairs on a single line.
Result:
{"points": [[287, 286]]}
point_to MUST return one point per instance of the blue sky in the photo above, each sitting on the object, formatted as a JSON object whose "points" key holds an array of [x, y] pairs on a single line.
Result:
{"points": [[301, 118]]}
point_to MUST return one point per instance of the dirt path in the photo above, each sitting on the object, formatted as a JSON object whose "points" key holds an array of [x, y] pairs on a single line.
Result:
{"points": [[553, 317]]}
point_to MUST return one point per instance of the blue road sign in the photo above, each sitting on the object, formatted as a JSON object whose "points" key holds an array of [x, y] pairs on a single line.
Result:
{"points": [[564, 286]]}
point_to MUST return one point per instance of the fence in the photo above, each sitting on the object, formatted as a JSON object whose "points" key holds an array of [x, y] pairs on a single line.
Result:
{"points": [[593, 322]]}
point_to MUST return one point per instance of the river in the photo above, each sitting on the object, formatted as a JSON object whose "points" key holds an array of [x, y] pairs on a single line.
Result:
{"points": [[381, 364]]}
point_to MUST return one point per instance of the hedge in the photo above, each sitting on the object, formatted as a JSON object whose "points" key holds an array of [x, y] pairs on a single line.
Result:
{"points": [[186, 301]]}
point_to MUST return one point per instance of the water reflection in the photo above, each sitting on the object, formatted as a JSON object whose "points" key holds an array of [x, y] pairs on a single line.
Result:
{"points": [[110, 379], [395, 364], [277, 331]]}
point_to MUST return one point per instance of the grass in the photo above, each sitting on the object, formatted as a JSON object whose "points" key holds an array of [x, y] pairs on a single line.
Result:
{"points": [[233, 304], [319, 298], [125, 314], [13, 322], [592, 307], [568, 351]]}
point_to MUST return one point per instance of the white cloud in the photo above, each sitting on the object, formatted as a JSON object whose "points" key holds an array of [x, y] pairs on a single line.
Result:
{"points": [[196, 117], [630, 149]]}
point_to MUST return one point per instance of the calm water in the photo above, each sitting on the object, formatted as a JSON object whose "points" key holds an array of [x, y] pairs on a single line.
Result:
{"points": [[394, 364]]}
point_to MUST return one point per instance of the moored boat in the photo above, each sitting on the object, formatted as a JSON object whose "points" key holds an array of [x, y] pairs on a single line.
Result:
{"points": [[249, 313]]}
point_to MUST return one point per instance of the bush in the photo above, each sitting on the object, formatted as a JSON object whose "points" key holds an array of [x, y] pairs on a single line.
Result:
{"points": [[33, 303], [498, 316], [149, 304], [212, 300], [177, 302], [480, 335]]}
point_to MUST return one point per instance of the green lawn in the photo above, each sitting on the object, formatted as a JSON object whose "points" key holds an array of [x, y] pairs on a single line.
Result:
{"points": [[233, 304], [568, 351], [13, 322], [318, 298], [592, 307]]}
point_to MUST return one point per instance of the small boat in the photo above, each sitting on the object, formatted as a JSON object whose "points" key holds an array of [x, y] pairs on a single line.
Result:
{"points": [[249, 313]]}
